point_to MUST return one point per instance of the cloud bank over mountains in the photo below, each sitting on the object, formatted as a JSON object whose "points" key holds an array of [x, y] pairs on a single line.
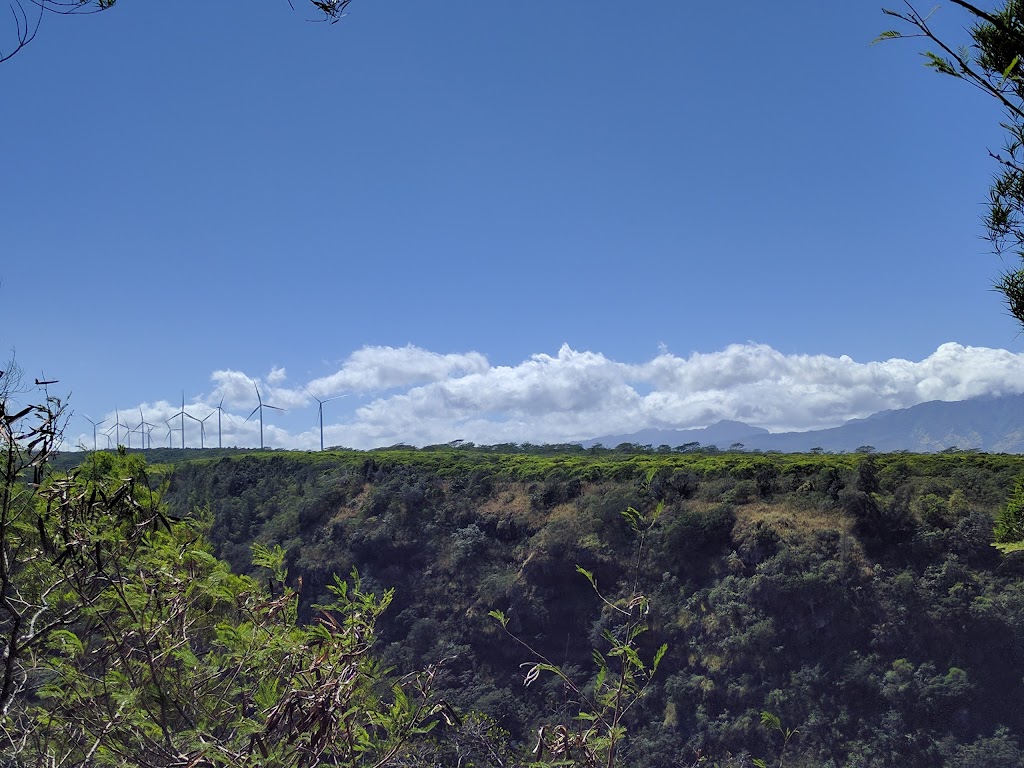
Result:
{"points": [[415, 396]]}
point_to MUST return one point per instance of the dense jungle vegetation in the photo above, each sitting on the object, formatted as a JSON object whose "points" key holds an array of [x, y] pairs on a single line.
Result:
{"points": [[507, 605], [855, 598]]}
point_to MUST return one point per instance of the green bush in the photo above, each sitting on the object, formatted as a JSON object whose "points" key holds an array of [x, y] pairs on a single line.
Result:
{"points": [[1010, 521]]}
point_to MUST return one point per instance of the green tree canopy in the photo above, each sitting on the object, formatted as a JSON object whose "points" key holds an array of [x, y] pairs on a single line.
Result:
{"points": [[125, 642]]}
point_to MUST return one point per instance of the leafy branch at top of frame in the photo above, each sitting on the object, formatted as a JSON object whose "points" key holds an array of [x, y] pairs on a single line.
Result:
{"points": [[992, 63]]}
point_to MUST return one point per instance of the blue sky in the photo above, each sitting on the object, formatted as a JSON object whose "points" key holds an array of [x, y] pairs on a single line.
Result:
{"points": [[475, 220]]}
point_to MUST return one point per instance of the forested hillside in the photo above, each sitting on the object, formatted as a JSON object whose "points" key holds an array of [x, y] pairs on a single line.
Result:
{"points": [[856, 597]]}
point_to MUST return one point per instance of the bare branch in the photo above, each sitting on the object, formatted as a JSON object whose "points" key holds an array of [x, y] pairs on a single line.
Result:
{"points": [[25, 31], [26, 28]]}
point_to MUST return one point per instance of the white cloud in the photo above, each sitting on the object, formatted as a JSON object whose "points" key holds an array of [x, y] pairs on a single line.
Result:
{"points": [[234, 387], [373, 369], [423, 397], [277, 376], [238, 390], [576, 395]]}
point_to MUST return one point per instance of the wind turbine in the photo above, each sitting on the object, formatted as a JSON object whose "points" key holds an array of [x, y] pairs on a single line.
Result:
{"points": [[260, 408], [202, 427], [107, 432], [136, 428], [220, 409], [117, 429], [149, 433], [183, 415], [94, 425], [145, 432], [321, 411]]}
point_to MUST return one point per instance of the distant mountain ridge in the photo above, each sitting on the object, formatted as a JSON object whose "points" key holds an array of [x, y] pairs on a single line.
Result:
{"points": [[994, 424]]}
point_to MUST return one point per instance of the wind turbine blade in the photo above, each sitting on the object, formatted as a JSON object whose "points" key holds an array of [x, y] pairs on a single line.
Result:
{"points": [[251, 414]]}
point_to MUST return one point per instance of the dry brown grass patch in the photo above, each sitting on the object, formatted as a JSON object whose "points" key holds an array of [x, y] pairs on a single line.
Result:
{"points": [[789, 522]]}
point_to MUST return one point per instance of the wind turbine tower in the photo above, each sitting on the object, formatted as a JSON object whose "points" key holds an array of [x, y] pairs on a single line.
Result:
{"points": [[220, 410], [261, 405], [116, 426], [117, 429], [182, 414], [202, 427], [145, 432], [94, 425], [321, 412]]}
